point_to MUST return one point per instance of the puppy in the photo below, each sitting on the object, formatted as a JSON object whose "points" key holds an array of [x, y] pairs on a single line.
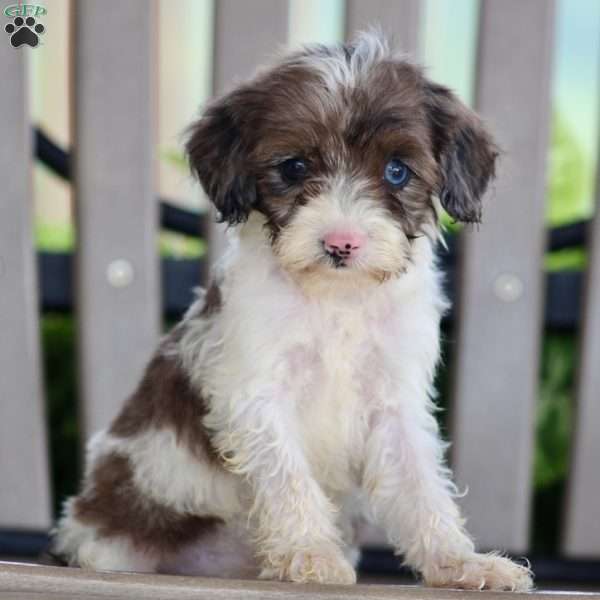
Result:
{"points": [[295, 397]]}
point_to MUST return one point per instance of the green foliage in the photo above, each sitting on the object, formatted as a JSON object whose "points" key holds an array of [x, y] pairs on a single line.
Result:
{"points": [[569, 200], [54, 237], [555, 409], [176, 245], [569, 191], [58, 342], [568, 196], [175, 157], [554, 425]]}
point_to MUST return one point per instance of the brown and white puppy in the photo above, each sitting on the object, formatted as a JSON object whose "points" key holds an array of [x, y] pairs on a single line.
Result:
{"points": [[296, 395]]}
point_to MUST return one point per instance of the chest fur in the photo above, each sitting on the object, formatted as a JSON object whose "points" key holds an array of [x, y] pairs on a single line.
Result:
{"points": [[334, 370], [325, 363]]}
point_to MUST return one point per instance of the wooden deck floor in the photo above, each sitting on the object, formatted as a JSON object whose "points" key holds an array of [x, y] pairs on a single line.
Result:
{"points": [[31, 582]]}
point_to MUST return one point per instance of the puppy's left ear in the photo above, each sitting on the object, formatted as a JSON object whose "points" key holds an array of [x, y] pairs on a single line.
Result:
{"points": [[465, 151], [217, 150]]}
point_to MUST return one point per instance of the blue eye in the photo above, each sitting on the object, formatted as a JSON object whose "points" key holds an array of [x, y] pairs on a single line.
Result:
{"points": [[396, 173]]}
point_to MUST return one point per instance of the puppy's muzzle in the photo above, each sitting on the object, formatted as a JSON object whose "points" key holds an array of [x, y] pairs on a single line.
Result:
{"points": [[343, 246]]}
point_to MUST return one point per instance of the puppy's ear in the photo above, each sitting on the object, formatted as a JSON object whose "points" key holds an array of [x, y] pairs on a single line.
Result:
{"points": [[217, 152], [465, 153]]}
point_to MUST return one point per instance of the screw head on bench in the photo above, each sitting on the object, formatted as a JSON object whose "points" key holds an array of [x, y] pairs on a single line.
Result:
{"points": [[508, 287], [120, 273]]}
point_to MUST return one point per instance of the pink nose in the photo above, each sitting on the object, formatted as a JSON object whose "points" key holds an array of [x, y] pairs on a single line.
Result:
{"points": [[344, 244]]}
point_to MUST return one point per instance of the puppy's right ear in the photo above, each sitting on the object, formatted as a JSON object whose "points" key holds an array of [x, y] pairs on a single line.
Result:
{"points": [[217, 153], [465, 152]]}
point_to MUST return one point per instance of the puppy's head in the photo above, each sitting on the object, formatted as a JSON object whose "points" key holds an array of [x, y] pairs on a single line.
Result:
{"points": [[342, 150]]}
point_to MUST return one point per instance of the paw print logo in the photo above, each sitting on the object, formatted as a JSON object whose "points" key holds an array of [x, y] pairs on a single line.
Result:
{"points": [[24, 31]]}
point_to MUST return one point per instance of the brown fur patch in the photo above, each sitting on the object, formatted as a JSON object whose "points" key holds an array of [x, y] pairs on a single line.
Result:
{"points": [[165, 398], [114, 505], [466, 152]]}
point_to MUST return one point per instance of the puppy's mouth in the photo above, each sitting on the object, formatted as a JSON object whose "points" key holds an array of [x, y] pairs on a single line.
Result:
{"points": [[336, 261]]}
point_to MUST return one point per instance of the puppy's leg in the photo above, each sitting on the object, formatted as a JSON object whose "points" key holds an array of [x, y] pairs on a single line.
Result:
{"points": [[293, 520], [412, 497]]}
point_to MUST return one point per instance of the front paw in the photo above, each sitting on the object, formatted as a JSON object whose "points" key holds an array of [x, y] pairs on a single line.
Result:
{"points": [[480, 572], [319, 565]]}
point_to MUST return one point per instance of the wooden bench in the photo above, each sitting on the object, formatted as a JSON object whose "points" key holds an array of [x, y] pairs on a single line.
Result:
{"points": [[32, 582]]}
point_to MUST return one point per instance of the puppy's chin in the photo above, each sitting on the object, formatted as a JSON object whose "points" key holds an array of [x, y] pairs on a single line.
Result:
{"points": [[321, 279]]}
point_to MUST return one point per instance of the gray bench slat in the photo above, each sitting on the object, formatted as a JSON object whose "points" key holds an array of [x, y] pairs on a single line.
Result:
{"points": [[246, 35], [500, 313], [398, 19], [24, 484], [114, 103]]}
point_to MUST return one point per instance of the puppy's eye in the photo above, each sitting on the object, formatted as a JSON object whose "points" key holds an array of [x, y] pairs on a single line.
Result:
{"points": [[293, 170], [396, 173]]}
